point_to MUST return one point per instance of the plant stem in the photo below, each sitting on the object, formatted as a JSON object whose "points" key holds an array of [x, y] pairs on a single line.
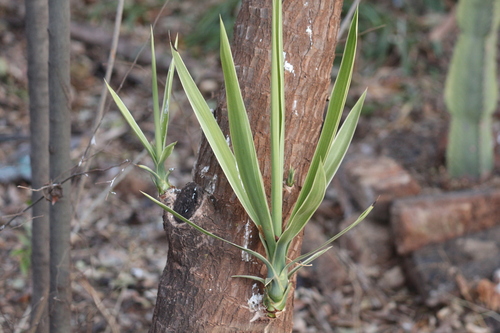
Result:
{"points": [[469, 154]]}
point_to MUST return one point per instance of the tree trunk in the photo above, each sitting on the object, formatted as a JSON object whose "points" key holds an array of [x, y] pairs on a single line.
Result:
{"points": [[60, 165], [38, 58], [196, 291]]}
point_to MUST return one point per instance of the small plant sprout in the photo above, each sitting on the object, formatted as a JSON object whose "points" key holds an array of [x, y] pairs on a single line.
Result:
{"points": [[160, 151], [241, 167]]}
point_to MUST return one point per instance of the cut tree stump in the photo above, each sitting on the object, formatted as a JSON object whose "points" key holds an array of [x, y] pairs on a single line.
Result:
{"points": [[444, 237], [428, 219]]}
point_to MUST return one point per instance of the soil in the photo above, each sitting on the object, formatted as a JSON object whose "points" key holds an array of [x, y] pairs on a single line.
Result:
{"points": [[119, 248]]}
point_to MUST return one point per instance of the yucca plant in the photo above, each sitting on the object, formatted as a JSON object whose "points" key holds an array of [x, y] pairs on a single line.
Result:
{"points": [[160, 151], [241, 167]]}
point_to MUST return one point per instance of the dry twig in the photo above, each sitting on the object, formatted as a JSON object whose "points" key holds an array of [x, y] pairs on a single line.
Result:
{"points": [[110, 319]]}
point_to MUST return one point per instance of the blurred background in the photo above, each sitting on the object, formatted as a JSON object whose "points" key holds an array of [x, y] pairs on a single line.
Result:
{"points": [[119, 250]]}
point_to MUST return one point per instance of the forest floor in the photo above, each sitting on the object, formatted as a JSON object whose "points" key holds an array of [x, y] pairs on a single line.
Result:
{"points": [[118, 245]]}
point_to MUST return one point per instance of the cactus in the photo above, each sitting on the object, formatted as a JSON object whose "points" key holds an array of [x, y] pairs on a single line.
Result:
{"points": [[471, 89]]}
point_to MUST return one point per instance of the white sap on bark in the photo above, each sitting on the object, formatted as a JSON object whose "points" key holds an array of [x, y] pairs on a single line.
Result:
{"points": [[309, 32], [255, 303], [246, 240], [288, 66]]}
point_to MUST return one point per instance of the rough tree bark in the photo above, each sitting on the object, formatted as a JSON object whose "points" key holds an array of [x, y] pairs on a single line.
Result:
{"points": [[37, 18], [196, 291], [60, 165]]}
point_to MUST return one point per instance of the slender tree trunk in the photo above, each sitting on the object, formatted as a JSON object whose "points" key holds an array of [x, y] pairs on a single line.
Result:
{"points": [[60, 164], [197, 292], [38, 57]]}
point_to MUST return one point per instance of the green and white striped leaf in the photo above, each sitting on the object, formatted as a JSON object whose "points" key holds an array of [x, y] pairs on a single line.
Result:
{"points": [[151, 171], [343, 140], [342, 82], [335, 108], [156, 103], [132, 123], [214, 136], [277, 117], [166, 152], [306, 262], [310, 256], [301, 216], [208, 233], [251, 277], [242, 141], [165, 108]]}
